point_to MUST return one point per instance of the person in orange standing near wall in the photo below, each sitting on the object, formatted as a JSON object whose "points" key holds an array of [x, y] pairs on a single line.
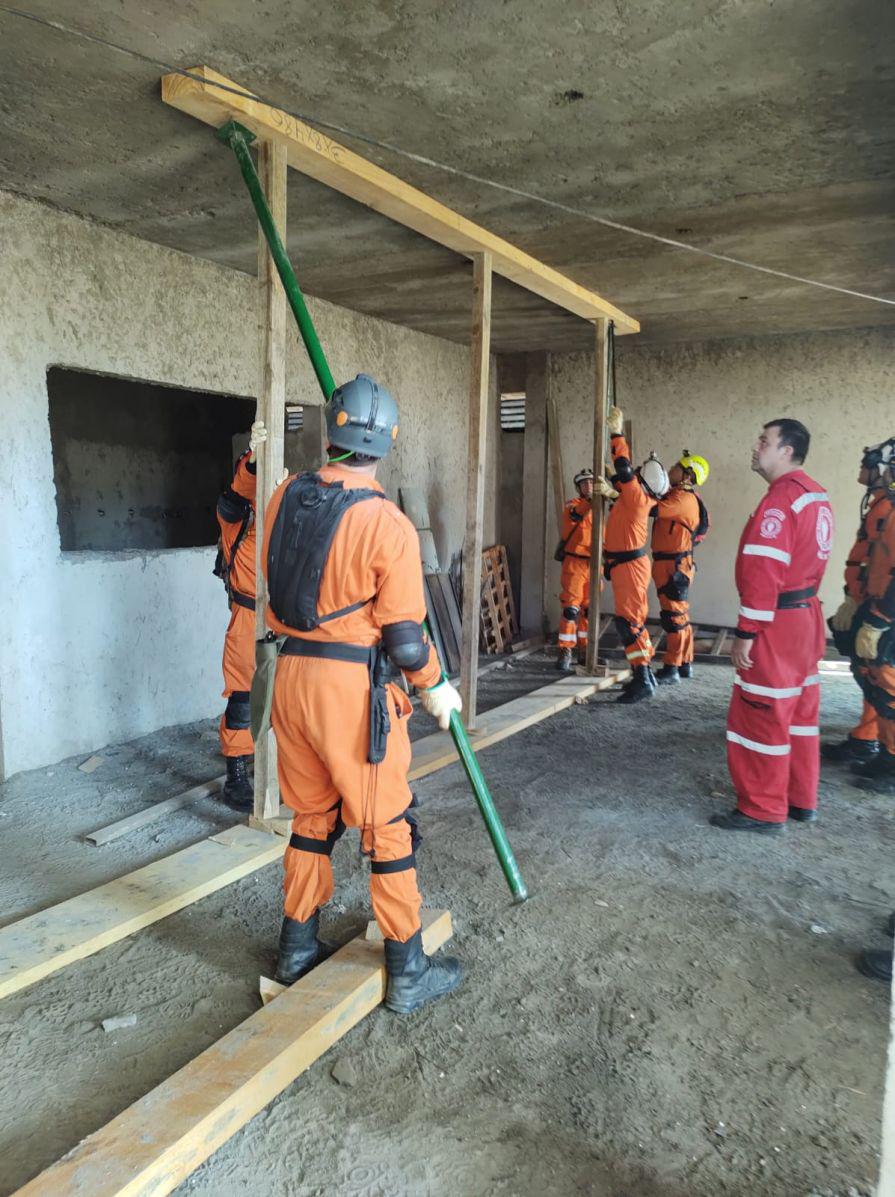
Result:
{"points": [[346, 588], [625, 561], [236, 567], [862, 742], [573, 551], [681, 522]]}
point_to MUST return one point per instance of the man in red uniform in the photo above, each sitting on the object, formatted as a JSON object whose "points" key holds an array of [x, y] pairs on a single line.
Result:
{"points": [[574, 551], [681, 520], [862, 742], [625, 561], [772, 732], [346, 588], [236, 567]]}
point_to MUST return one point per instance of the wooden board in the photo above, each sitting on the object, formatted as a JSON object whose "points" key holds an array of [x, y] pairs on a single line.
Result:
{"points": [[532, 569], [317, 155], [44, 942], [452, 607], [431, 589], [602, 368], [158, 1141], [450, 646], [149, 814]]}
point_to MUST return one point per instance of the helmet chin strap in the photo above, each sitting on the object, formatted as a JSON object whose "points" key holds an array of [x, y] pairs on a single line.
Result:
{"points": [[334, 460]]}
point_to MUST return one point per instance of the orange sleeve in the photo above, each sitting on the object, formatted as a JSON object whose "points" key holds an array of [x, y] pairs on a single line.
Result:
{"points": [[399, 593], [245, 480]]}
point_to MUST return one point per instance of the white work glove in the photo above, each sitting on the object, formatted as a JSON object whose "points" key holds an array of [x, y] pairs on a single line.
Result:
{"points": [[606, 489], [615, 421], [867, 641], [844, 615], [440, 701], [257, 436]]}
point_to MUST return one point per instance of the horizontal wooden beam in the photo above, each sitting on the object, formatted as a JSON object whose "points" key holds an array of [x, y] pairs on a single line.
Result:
{"points": [[158, 1141], [318, 156]]}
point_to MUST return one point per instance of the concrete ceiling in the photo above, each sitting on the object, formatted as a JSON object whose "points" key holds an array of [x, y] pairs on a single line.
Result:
{"points": [[757, 128]]}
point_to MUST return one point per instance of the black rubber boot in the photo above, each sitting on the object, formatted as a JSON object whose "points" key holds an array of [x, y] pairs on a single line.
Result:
{"points": [[686, 670], [668, 675], [564, 660], [414, 978], [237, 792], [802, 814], [880, 782], [642, 685], [876, 964], [737, 821], [849, 751], [299, 949]]}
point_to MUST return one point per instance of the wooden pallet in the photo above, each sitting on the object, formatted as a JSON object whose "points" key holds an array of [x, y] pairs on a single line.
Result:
{"points": [[498, 610]]}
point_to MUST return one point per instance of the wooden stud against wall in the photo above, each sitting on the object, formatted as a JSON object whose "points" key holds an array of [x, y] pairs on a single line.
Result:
{"points": [[475, 483], [272, 410], [601, 400]]}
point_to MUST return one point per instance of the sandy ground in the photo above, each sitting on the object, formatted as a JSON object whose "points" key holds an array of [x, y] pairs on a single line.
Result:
{"points": [[674, 1013]]}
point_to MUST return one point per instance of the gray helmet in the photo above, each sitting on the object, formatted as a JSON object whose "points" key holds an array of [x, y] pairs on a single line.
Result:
{"points": [[362, 417]]}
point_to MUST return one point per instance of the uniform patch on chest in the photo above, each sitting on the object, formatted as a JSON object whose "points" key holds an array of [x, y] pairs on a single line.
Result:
{"points": [[772, 523]]}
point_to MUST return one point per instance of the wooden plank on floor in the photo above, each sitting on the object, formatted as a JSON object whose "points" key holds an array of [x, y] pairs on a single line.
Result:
{"points": [[44, 942], [158, 1141], [149, 814]]}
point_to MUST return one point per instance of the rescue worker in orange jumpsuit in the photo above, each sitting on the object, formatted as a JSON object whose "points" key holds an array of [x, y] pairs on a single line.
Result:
{"points": [[875, 639], [346, 589], [862, 742], [680, 522], [236, 567], [574, 551], [773, 740], [625, 561]]}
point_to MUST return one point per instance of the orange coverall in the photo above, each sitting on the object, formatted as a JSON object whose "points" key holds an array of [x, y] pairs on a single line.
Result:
{"points": [[626, 532], [321, 712], [574, 595], [879, 680], [677, 518], [239, 641], [856, 567]]}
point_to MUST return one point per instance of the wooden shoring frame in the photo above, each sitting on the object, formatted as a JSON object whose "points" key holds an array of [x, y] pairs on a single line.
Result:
{"points": [[601, 401]]}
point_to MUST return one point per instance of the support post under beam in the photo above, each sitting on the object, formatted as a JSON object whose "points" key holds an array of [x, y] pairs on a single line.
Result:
{"points": [[601, 404], [534, 495], [272, 410], [475, 483]]}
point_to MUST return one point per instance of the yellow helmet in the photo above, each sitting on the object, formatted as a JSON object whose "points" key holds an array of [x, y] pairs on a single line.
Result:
{"points": [[699, 466]]}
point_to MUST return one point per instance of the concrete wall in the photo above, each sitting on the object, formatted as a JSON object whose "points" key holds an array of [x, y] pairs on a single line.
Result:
{"points": [[712, 397], [99, 647]]}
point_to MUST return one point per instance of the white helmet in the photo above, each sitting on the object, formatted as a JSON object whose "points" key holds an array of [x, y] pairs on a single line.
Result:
{"points": [[654, 477]]}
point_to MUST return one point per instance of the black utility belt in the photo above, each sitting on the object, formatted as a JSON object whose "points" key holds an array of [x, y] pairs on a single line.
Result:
{"points": [[578, 556], [376, 662], [242, 600], [611, 560], [790, 599], [672, 556]]}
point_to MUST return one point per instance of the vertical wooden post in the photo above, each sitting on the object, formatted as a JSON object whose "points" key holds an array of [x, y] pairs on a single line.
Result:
{"points": [[601, 401], [534, 495], [556, 464], [272, 410], [475, 483]]}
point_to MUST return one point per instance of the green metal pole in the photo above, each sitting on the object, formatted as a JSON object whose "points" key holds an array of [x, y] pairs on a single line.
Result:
{"points": [[239, 138]]}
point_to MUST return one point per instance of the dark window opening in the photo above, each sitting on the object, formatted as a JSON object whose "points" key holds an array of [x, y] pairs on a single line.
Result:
{"points": [[138, 465]]}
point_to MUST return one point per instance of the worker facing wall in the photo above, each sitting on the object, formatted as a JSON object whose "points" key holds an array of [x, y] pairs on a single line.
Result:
{"points": [[712, 397]]}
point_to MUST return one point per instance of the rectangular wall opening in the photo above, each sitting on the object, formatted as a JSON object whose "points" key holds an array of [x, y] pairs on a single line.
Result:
{"points": [[138, 465]]}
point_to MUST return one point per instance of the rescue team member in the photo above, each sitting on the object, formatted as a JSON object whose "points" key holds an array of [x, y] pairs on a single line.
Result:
{"points": [[625, 563], [772, 733], [681, 522], [236, 567], [862, 742], [875, 639], [574, 551], [346, 587]]}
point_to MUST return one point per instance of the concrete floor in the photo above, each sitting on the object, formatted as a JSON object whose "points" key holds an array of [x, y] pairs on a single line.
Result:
{"points": [[664, 1017]]}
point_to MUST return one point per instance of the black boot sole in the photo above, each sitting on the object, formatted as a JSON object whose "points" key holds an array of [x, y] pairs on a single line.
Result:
{"points": [[866, 967], [801, 815], [757, 829]]}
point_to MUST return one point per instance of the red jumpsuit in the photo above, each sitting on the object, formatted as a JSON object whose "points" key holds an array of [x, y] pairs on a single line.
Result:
{"points": [[773, 747], [677, 518], [625, 563], [879, 678], [234, 506], [574, 595], [856, 568]]}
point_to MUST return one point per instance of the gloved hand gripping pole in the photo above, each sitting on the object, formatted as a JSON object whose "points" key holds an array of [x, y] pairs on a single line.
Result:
{"points": [[239, 138]]}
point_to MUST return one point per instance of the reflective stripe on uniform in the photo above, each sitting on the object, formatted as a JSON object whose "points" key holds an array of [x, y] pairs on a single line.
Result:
{"points": [[768, 691], [817, 496], [814, 680], [754, 746], [765, 550], [803, 730], [638, 653], [566, 637], [752, 613]]}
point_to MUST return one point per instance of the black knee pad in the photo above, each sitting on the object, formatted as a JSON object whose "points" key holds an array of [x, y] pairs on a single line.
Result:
{"points": [[626, 633], [570, 613], [237, 716], [671, 621]]}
